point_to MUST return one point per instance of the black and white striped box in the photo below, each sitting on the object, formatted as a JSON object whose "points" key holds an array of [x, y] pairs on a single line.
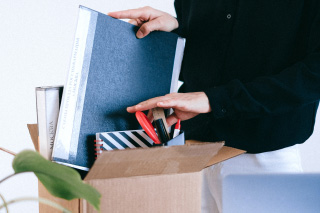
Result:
{"points": [[128, 139]]}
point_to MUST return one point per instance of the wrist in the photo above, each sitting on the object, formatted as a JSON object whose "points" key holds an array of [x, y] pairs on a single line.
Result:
{"points": [[176, 23], [205, 102]]}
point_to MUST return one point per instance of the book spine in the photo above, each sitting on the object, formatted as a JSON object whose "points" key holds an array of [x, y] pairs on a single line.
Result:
{"points": [[175, 83], [177, 64], [63, 145], [48, 104]]}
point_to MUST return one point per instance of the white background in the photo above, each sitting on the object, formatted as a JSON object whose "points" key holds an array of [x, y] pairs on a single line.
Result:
{"points": [[36, 38]]}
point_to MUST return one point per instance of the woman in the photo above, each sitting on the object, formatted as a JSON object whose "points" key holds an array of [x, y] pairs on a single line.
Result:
{"points": [[251, 73]]}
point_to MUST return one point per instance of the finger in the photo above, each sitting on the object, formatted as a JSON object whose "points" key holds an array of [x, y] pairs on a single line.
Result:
{"points": [[148, 27], [133, 21], [150, 115], [142, 107], [172, 119], [172, 103], [146, 105], [132, 109], [130, 14]]}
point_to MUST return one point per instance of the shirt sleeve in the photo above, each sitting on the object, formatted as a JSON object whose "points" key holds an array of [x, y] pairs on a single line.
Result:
{"points": [[292, 88], [178, 9]]}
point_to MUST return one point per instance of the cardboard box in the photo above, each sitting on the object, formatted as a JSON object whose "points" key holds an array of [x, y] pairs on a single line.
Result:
{"points": [[160, 179], [73, 205]]}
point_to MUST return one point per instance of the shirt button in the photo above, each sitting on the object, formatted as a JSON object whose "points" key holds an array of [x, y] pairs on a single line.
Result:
{"points": [[223, 110], [229, 16]]}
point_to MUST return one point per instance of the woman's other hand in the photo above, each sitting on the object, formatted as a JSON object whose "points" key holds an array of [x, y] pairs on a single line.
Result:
{"points": [[185, 105]]}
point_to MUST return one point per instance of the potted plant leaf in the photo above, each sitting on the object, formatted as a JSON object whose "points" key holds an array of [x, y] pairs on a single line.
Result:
{"points": [[61, 181]]}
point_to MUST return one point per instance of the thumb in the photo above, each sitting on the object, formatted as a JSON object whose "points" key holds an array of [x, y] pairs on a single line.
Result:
{"points": [[148, 27], [172, 119]]}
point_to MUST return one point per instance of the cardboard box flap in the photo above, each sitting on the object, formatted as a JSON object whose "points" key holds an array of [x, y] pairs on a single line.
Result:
{"points": [[224, 153], [153, 161], [33, 130]]}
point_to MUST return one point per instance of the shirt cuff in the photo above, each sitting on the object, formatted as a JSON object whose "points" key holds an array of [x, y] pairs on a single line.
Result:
{"points": [[178, 30], [220, 102]]}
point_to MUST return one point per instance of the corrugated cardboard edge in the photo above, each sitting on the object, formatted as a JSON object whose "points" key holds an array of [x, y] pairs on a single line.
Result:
{"points": [[73, 205], [224, 153]]}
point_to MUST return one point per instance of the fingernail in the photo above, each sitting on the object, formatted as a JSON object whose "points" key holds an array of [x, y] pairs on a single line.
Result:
{"points": [[160, 103], [139, 34]]}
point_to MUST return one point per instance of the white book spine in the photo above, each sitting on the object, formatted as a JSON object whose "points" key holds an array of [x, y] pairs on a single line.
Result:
{"points": [[177, 64], [175, 83], [48, 99], [69, 100]]}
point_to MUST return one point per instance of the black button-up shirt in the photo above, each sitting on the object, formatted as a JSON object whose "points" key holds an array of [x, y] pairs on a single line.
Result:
{"points": [[258, 61]]}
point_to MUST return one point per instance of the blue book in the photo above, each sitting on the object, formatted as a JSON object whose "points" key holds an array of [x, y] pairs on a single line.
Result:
{"points": [[110, 70]]}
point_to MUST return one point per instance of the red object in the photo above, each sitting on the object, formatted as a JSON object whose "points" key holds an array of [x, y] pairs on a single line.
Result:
{"points": [[178, 125], [147, 126], [98, 149]]}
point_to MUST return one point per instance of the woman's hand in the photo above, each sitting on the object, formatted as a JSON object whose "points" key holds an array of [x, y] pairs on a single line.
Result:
{"points": [[185, 105], [148, 19]]}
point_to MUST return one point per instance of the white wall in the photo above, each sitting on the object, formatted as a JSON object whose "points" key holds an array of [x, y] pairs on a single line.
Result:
{"points": [[36, 38]]}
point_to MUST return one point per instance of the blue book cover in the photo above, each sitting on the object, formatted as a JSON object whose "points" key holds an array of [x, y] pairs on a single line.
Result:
{"points": [[110, 70]]}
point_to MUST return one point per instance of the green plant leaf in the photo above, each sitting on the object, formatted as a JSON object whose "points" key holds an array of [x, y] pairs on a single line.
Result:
{"points": [[61, 181]]}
